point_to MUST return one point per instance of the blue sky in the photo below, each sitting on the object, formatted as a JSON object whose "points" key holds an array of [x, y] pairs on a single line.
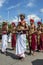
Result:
{"points": [[9, 9]]}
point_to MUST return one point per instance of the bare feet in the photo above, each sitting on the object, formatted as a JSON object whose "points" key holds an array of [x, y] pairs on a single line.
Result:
{"points": [[33, 53], [22, 59]]}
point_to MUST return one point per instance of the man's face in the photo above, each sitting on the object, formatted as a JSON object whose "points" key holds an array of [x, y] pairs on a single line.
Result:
{"points": [[22, 18], [13, 25], [39, 25], [31, 22]]}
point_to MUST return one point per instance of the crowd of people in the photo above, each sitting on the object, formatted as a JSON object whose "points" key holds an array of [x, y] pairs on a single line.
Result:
{"points": [[20, 33]]}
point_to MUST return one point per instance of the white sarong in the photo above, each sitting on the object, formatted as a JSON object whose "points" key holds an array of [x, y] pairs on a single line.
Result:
{"points": [[9, 38], [4, 42], [21, 45]]}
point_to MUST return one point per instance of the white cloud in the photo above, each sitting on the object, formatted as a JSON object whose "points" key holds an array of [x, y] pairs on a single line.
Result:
{"points": [[11, 7], [33, 16], [41, 10], [15, 20], [2, 2], [30, 4]]}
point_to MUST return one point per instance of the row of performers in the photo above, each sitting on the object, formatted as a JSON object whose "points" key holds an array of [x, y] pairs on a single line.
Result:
{"points": [[19, 32]]}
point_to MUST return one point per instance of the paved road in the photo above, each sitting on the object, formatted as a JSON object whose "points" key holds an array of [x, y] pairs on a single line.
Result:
{"points": [[11, 59]]}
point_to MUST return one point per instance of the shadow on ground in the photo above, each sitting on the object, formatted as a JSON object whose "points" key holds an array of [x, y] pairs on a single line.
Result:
{"points": [[37, 62], [12, 55], [0, 50], [9, 49]]}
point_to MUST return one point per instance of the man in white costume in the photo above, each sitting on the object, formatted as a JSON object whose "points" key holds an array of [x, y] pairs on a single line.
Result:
{"points": [[4, 37], [21, 38]]}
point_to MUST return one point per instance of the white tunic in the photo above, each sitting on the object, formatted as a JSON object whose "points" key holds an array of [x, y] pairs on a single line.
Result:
{"points": [[4, 42], [21, 45], [9, 38]]}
